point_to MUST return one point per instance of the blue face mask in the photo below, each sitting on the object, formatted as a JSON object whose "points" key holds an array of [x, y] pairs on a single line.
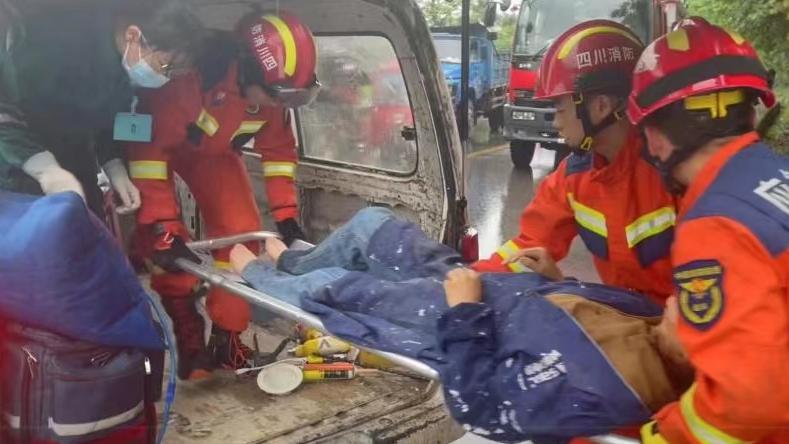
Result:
{"points": [[141, 74]]}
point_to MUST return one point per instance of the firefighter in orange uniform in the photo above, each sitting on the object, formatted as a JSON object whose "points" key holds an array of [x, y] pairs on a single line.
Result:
{"points": [[240, 92], [693, 93], [606, 191]]}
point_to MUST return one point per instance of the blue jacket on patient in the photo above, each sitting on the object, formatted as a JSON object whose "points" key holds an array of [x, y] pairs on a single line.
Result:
{"points": [[515, 367]]}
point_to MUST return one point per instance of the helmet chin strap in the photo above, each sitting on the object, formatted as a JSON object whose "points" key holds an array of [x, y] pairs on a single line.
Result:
{"points": [[667, 169], [591, 130]]}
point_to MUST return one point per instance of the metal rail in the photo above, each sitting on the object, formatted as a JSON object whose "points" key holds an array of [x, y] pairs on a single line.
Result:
{"points": [[229, 241], [221, 279]]}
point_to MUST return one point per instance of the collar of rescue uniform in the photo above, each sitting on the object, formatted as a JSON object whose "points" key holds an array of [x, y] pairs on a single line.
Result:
{"points": [[710, 170], [623, 162]]}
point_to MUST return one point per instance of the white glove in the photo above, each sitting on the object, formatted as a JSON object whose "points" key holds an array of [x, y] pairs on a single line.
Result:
{"points": [[50, 175], [123, 186]]}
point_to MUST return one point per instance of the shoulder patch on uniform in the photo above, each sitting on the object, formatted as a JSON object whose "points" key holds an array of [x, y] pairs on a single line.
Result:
{"points": [[577, 163], [699, 287], [775, 191]]}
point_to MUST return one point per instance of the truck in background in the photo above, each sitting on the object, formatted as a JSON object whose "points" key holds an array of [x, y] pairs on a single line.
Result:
{"points": [[529, 121], [488, 73]]}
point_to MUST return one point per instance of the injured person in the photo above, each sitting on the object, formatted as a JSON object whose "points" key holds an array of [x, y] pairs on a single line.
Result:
{"points": [[519, 356]]}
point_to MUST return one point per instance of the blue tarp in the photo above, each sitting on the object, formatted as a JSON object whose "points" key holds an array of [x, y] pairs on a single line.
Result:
{"points": [[514, 368], [62, 271]]}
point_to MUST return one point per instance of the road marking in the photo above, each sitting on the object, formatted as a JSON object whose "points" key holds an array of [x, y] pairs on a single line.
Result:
{"points": [[487, 151]]}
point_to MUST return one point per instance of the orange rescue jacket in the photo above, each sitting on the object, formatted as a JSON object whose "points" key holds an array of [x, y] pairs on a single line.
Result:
{"points": [[621, 210], [731, 271], [188, 121]]}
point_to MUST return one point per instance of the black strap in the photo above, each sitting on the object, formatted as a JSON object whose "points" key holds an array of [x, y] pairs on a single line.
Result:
{"points": [[667, 169], [591, 130], [708, 69], [194, 134]]}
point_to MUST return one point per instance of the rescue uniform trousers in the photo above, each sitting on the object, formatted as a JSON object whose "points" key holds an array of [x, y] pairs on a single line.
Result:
{"points": [[225, 198]]}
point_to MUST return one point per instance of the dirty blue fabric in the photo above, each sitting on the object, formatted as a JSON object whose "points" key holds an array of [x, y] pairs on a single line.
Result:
{"points": [[376, 242], [62, 271], [264, 276], [361, 244], [514, 367]]}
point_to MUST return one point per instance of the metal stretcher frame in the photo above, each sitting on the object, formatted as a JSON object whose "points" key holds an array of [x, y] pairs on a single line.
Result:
{"points": [[221, 279]]}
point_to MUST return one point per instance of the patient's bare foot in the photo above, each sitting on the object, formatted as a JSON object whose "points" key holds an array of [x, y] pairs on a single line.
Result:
{"points": [[240, 257], [275, 247]]}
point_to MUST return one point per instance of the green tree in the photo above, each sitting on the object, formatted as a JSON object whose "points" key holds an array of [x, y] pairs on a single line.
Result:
{"points": [[506, 25], [447, 13], [765, 24], [440, 12]]}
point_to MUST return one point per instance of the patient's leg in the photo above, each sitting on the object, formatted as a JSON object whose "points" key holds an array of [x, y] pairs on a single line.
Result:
{"points": [[346, 247], [377, 242], [263, 276]]}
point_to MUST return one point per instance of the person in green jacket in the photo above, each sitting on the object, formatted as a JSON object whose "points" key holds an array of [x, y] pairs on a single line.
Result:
{"points": [[66, 70]]}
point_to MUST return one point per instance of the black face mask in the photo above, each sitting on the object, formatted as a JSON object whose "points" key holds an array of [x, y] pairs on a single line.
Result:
{"points": [[666, 167]]}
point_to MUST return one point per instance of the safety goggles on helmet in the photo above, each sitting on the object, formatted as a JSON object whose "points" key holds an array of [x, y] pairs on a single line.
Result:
{"points": [[294, 97]]}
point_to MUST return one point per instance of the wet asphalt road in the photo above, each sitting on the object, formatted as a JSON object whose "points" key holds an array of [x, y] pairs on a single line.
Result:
{"points": [[497, 194]]}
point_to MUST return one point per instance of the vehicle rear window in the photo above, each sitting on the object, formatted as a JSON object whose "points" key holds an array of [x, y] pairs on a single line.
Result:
{"points": [[359, 116]]}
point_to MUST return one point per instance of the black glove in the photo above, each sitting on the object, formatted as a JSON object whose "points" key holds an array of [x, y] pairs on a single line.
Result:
{"points": [[168, 248], [290, 231]]}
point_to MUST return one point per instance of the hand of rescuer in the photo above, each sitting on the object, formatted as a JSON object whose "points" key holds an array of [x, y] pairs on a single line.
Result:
{"points": [[290, 231], [538, 260], [169, 247], [668, 339], [45, 169], [463, 286], [123, 186]]}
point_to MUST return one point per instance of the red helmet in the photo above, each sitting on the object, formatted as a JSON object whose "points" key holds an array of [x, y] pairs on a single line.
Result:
{"points": [[596, 55], [284, 49], [694, 59]]}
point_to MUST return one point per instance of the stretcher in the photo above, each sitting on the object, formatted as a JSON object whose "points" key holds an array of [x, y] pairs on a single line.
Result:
{"points": [[234, 284]]}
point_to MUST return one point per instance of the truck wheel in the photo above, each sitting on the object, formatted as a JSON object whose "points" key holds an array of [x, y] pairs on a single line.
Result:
{"points": [[521, 153], [561, 151]]}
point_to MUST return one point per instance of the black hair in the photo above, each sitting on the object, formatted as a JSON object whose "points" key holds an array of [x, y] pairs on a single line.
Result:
{"points": [[218, 50], [692, 129], [168, 25], [611, 82]]}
